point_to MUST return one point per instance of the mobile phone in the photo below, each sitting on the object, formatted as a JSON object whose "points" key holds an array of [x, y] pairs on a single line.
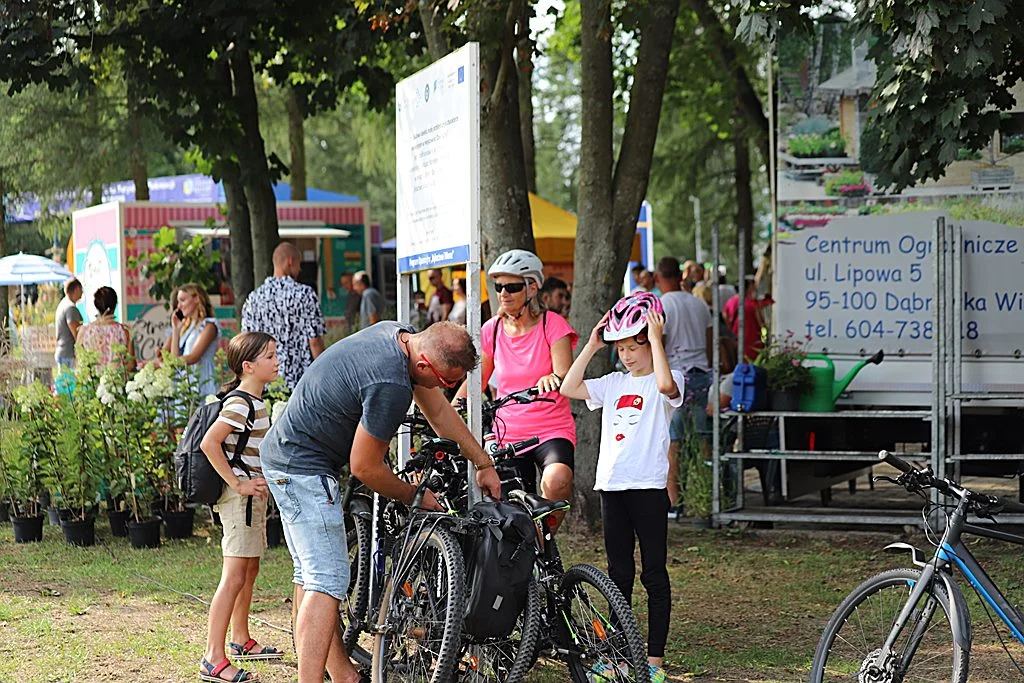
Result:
{"points": [[178, 314]]}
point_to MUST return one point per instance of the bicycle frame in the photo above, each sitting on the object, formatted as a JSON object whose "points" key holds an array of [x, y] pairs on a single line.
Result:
{"points": [[952, 552]]}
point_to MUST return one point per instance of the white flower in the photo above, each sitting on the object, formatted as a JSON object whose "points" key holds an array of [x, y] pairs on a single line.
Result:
{"points": [[277, 410], [136, 397]]}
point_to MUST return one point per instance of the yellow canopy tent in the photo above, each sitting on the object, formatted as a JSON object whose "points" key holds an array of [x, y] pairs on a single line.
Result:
{"points": [[554, 232]]}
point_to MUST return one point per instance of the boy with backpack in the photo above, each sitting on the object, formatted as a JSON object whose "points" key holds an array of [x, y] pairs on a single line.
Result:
{"points": [[632, 470], [242, 505]]}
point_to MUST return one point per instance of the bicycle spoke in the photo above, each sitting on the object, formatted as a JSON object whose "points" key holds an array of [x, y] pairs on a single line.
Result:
{"points": [[855, 650]]}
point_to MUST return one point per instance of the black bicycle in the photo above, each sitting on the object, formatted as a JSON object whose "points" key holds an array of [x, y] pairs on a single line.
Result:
{"points": [[913, 624]]}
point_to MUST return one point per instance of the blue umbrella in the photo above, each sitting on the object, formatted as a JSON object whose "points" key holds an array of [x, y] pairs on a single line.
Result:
{"points": [[28, 269]]}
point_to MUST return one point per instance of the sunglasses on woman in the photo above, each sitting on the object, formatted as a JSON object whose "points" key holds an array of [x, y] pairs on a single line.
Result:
{"points": [[510, 287]]}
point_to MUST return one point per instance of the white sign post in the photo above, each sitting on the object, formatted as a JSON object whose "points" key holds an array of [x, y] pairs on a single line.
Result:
{"points": [[437, 136]]}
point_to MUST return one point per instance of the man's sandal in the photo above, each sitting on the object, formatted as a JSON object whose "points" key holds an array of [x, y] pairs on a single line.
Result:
{"points": [[212, 674], [248, 651]]}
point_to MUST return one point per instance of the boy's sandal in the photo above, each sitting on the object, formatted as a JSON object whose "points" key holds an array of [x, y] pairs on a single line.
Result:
{"points": [[248, 651], [212, 674]]}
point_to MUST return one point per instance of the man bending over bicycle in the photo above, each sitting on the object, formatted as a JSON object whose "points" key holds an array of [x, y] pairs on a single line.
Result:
{"points": [[345, 410]]}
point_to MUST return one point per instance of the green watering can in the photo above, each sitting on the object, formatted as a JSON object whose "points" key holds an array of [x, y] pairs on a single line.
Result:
{"points": [[825, 390]]}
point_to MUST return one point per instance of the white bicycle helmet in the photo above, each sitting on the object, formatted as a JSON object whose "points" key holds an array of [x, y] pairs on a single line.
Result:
{"points": [[519, 262]]}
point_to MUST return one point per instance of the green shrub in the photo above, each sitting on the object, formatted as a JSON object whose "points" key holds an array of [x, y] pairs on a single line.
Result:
{"points": [[841, 179], [1013, 144], [830, 144], [967, 154]]}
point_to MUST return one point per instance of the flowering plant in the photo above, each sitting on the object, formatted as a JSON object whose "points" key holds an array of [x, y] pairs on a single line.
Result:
{"points": [[782, 359]]}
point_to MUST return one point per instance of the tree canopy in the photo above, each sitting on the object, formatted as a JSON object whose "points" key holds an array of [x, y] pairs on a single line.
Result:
{"points": [[945, 70]]}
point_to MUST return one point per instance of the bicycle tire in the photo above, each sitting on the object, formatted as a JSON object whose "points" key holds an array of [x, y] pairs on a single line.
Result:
{"points": [[506, 660], [358, 538], [408, 664], [358, 530], [838, 658], [591, 636]]}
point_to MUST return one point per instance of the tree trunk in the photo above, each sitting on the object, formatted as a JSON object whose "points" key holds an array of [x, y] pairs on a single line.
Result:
{"points": [[252, 158], [433, 20], [524, 62], [296, 145], [240, 232], [595, 254], [750, 105], [505, 221], [744, 198], [136, 143], [608, 204]]}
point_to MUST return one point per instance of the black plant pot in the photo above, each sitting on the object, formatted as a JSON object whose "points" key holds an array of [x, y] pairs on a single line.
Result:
{"points": [[118, 521], [5, 512], [144, 534], [179, 524], [275, 532], [80, 532], [784, 401], [28, 529]]}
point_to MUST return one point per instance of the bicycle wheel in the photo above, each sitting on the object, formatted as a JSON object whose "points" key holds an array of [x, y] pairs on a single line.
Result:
{"points": [[505, 660], [420, 622], [599, 629], [353, 613], [352, 610], [925, 650]]}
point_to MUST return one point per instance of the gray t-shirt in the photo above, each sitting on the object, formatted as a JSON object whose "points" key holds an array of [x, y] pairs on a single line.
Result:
{"points": [[687, 319], [67, 313], [372, 302], [362, 379]]}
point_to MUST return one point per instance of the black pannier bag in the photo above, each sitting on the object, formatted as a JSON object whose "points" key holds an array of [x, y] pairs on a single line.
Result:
{"points": [[499, 568]]}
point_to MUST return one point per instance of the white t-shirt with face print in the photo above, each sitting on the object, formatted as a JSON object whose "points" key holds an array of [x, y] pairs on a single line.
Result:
{"points": [[634, 430]]}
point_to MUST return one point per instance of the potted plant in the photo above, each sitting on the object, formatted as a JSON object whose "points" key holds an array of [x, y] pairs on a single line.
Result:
{"points": [[20, 484], [171, 395], [58, 438], [787, 378]]}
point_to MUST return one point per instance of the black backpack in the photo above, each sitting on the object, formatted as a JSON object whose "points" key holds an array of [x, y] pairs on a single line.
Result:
{"points": [[499, 568], [198, 481]]}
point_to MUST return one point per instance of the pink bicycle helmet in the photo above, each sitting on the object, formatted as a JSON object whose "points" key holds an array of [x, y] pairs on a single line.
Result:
{"points": [[629, 316]]}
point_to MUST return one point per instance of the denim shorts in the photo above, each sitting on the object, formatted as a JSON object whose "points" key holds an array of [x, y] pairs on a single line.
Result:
{"points": [[314, 527], [695, 404]]}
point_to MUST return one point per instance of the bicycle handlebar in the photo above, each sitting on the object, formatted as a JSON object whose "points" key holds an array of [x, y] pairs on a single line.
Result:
{"points": [[509, 450], [915, 479]]}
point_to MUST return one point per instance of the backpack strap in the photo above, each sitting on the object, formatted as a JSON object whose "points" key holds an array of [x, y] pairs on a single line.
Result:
{"points": [[243, 441]]}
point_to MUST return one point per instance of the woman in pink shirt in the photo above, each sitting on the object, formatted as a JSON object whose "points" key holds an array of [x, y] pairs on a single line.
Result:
{"points": [[526, 346]]}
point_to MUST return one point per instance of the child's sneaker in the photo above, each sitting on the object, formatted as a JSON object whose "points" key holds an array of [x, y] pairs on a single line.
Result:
{"points": [[602, 672], [657, 674]]}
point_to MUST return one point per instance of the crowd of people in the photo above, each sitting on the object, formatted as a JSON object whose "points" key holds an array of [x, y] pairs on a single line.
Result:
{"points": [[343, 413]]}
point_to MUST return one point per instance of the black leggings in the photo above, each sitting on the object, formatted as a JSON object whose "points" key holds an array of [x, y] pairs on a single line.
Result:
{"points": [[547, 453], [643, 514]]}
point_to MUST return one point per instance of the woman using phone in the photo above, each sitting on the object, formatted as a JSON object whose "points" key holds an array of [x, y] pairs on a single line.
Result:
{"points": [[194, 334]]}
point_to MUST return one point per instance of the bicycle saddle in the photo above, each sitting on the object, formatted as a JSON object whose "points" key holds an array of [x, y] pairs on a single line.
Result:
{"points": [[538, 505]]}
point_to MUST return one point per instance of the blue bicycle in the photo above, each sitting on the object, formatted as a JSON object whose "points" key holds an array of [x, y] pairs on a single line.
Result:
{"points": [[913, 624]]}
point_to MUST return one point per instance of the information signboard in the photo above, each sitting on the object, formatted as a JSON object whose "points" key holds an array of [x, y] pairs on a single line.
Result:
{"points": [[859, 284], [437, 156]]}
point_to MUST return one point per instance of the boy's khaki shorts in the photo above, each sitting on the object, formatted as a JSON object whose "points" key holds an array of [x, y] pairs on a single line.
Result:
{"points": [[241, 540]]}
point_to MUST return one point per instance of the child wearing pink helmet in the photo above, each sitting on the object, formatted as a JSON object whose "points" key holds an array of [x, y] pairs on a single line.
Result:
{"points": [[632, 470]]}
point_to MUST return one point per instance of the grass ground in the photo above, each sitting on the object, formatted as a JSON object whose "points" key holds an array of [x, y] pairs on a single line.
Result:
{"points": [[747, 606]]}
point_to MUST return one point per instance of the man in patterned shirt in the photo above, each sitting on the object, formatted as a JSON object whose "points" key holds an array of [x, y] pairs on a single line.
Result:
{"points": [[288, 311]]}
